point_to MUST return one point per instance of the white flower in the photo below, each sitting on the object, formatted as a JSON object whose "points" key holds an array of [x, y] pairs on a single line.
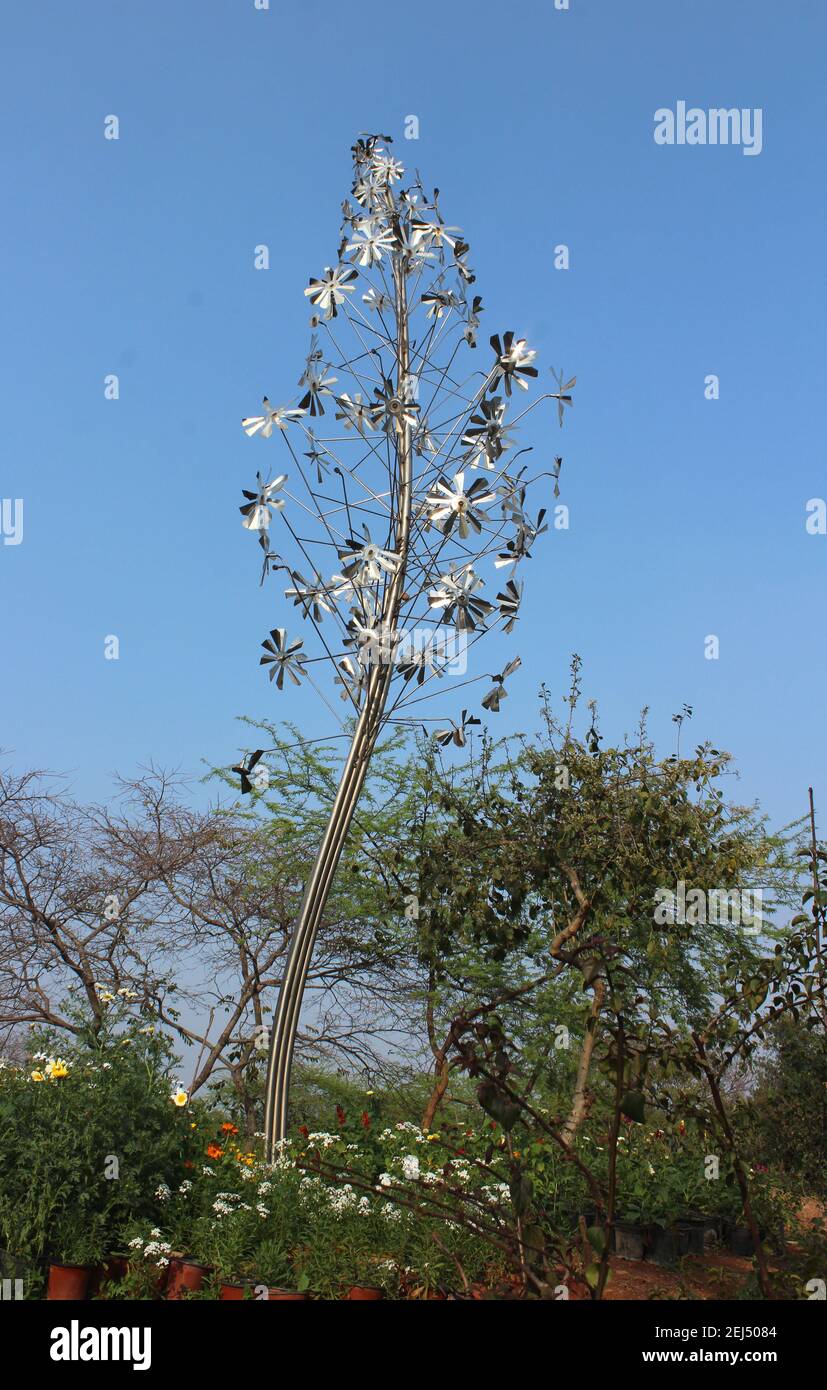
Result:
{"points": [[410, 1167], [323, 1140], [162, 1193], [179, 1097]]}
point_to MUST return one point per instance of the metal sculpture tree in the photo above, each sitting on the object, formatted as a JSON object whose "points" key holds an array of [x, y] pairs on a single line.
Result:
{"points": [[413, 488]]}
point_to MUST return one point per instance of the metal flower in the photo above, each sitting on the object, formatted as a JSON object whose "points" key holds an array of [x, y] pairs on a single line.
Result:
{"points": [[436, 233], [509, 600], [438, 302], [486, 435], [313, 598], [371, 239], [561, 395], [392, 411], [280, 416], [450, 505], [245, 767], [456, 594], [374, 639], [386, 168], [351, 680], [376, 301], [513, 361], [492, 699], [317, 457], [255, 513], [282, 657], [418, 660], [473, 323], [463, 270], [423, 441], [318, 383], [355, 412], [456, 733], [364, 562], [330, 291], [519, 547]]}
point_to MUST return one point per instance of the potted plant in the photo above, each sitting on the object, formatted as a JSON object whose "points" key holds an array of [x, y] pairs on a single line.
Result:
{"points": [[186, 1275], [78, 1251], [276, 1276]]}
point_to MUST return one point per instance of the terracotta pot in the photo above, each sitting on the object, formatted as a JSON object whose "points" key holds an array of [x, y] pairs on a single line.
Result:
{"points": [[110, 1272], [292, 1295], [69, 1281], [230, 1290], [185, 1275], [365, 1292]]}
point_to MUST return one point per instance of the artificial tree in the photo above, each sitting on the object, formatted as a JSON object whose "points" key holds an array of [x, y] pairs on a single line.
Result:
{"points": [[414, 484]]}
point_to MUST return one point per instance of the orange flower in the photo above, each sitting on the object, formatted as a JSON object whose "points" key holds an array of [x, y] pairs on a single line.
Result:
{"points": [[229, 1128], [214, 1151]]}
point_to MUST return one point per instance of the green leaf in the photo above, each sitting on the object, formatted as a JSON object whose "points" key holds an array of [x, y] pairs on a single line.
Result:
{"points": [[597, 1238], [633, 1106]]}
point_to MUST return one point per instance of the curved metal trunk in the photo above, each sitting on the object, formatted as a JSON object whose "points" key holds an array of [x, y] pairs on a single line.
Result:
{"points": [[368, 725]]}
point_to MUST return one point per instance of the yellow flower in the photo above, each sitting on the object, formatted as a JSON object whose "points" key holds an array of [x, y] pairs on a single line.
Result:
{"points": [[179, 1097], [38, 1076], [56, 1067], [431, 1137]]}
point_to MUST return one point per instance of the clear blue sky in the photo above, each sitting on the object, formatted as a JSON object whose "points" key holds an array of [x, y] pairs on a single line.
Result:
{"points": [[135, 257]]}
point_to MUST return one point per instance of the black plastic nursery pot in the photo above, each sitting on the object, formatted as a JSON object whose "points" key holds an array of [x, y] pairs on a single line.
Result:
{"points": [[697, 1233], [740, 1241], [664, 1246], [629, 1240]]}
